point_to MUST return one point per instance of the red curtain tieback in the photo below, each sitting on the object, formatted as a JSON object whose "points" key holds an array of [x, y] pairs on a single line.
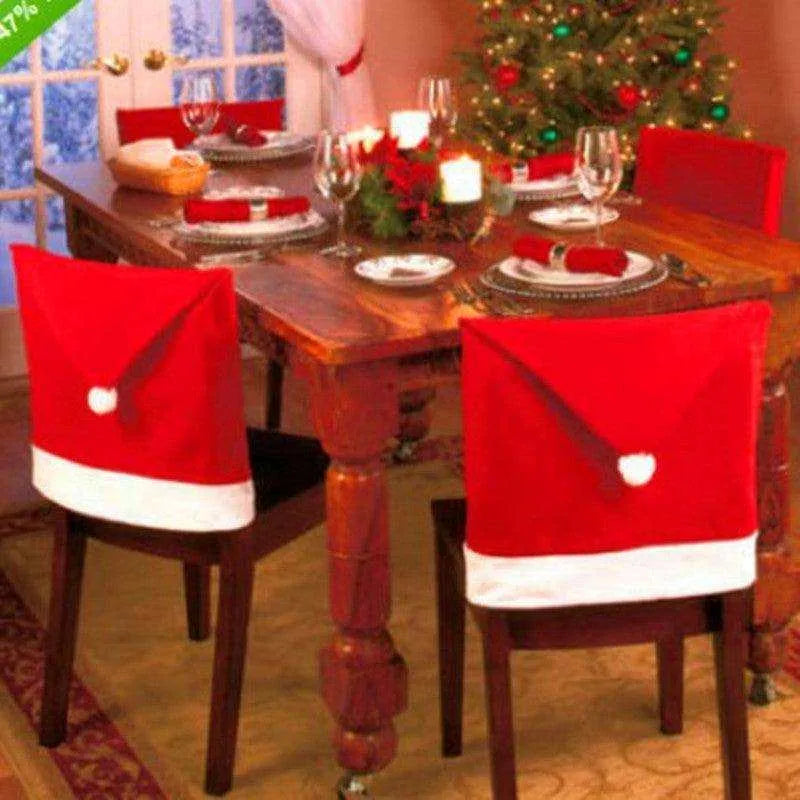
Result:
{"points": [[349, 67]]}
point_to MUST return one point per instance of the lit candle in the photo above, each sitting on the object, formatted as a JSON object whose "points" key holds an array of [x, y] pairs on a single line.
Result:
{"points": [[367, 137], [410, 128], [461, 180]]}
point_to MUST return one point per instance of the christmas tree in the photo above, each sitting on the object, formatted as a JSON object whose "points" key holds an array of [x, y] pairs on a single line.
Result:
{"points": [[545, 68]]}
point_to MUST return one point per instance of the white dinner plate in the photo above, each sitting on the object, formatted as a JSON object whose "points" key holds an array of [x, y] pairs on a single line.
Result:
{"points": [[572, 217], [528, 271], [417, 269], [554, 188]]}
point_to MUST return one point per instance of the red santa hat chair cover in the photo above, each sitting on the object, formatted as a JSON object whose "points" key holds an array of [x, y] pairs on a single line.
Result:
{"points": [[134, 124], [135, 418], [733, 179], [611, 460]]}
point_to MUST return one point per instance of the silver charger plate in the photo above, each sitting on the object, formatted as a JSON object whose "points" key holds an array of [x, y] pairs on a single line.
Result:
{"points": [[219, 148], [644, 273], [558, 188], [395, 270], [309, 226]]}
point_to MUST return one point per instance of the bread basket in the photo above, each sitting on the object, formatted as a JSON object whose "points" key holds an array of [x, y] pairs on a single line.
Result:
{"points": [[174, 180]]}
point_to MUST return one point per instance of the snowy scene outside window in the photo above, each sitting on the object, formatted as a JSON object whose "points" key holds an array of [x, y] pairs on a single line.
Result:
{"points": [[69, 127]]}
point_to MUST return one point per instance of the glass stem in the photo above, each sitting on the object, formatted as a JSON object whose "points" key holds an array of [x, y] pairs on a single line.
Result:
{"points": [[340, 224], [598, 210]]}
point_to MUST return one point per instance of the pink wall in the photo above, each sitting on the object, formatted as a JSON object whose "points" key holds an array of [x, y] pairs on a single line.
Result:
{"points": [[409, 38], [764, 37]]}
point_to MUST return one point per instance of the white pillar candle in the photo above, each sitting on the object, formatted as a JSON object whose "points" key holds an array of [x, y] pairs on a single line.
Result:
{"points": [[410, 128], [367, 137], [462, 180]]}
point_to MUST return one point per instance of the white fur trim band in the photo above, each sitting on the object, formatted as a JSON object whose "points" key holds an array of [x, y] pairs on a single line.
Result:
{"points": [[647, 573], [137, 500]]}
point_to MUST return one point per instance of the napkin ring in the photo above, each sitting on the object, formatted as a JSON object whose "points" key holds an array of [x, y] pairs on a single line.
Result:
{"points": [[558, 255], [258, 210]]}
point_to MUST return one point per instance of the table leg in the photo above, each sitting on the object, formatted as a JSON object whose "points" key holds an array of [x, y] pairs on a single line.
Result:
{"points": [[415, 421], [364, 680], [777, 590]]}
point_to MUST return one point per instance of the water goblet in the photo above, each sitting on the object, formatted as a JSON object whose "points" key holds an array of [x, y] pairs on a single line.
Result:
{"points": [[337, 173], [598, 167], [437, 97], [200, 102]]}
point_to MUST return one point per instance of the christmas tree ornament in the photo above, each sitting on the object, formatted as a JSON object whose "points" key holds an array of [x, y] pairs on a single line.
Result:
{"points": [[683, 55], [506, 76], [549, 135], [719, 111], [628, 96], [575, 63]]}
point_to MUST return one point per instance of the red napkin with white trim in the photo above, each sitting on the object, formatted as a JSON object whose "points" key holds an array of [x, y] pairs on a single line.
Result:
{"points": [[605, 260], [540, 167], [195, 210], [243, 133]]}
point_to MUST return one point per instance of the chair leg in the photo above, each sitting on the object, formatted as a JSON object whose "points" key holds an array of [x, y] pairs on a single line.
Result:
{"points": [[69, 549], [274, 394], [197, 593], [669, 652], [451, 609], [729, 652], [235, 591], [497, 675]]}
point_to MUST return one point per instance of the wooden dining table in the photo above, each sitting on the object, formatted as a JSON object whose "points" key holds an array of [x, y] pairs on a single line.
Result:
{"points": [[359, 347]]}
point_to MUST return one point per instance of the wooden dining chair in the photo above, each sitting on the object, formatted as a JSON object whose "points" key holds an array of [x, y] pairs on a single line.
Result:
{"points": [[610, 500], [736, 180], [134, 124], [138, 436]]}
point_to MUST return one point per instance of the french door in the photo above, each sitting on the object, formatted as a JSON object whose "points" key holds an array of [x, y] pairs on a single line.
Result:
{"points": [[58, 98]]}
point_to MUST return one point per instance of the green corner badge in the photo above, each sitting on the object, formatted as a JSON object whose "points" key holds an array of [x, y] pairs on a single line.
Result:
{"points": [[21, 21]]}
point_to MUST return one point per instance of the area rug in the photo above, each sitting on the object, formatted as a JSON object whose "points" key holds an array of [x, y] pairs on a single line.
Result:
{"points": [[586, 720]]}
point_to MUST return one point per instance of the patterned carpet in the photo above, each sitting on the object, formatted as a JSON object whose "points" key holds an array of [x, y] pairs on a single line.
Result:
{"points": [[586, 720]]}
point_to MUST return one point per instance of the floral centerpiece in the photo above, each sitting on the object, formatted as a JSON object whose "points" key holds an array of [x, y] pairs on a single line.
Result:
{"points": [[401, 195]]}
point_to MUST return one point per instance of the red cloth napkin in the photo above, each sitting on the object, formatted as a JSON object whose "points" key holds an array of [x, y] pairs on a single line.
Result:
{"points": [[242, 133], [241, 210], [545, 166], [606, 260]]}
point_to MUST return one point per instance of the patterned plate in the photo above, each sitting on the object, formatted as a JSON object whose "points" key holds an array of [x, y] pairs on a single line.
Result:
{"points": [[280, 144], [415, 269], [268, 231], [571, 217], [529, 279]]}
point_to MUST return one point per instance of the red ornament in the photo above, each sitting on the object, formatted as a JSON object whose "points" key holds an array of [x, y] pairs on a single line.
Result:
{"points": [[506, 76], [628, 96]]}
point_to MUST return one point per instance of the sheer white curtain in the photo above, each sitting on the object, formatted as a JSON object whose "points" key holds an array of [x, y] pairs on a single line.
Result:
{"points": [[333, 30]]}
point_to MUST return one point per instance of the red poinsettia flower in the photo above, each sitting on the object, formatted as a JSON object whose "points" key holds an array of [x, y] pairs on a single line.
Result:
{"points": [[413, 183], [383, 152]]}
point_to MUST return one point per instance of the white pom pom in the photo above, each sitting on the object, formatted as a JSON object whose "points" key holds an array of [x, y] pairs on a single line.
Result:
{"points": [[637, 469], [102, 401]]}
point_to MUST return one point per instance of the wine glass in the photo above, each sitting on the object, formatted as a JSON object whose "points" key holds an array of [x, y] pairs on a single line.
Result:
{"points": [[598, 167], [436, 96], [200, 102], [337, 173]]}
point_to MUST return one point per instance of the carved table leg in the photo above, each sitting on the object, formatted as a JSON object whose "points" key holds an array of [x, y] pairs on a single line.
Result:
{"points": [[415, 421], [364, 681], [777, 591]]}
